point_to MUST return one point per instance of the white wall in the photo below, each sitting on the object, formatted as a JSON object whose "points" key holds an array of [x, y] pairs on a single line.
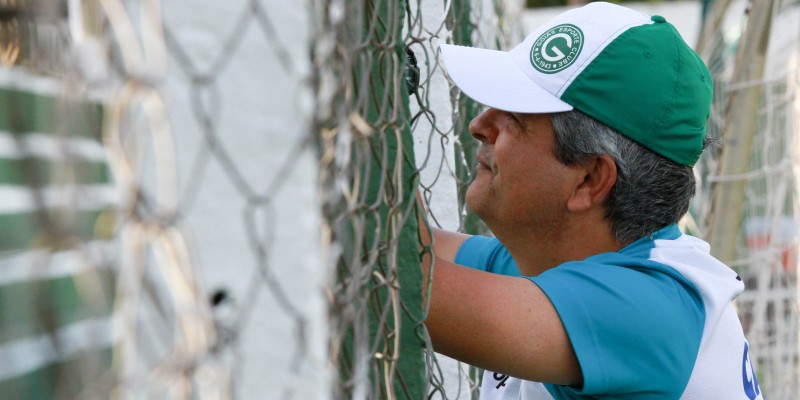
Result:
{"points": [[261, 118]]}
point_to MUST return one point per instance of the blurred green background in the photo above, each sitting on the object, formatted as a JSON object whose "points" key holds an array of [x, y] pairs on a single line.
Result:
{"points": [[554, 3]]}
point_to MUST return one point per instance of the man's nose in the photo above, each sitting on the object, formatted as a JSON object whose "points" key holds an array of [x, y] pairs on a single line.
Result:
{"points": [[484, 127]]}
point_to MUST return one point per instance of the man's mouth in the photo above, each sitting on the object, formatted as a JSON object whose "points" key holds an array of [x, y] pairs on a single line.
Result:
{"points": [[482, 162]]}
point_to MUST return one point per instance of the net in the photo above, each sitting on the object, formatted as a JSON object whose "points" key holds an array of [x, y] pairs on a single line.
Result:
{"points": [[235, 213], [755, 173], [422, 145], [216, 199]]}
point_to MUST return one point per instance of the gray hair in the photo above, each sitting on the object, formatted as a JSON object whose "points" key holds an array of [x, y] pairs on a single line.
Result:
{"points": [[651, 191]]}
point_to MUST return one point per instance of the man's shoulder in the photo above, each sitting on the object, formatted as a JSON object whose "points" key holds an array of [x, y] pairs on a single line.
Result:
{"points": [[632, 321], [486, 254]]}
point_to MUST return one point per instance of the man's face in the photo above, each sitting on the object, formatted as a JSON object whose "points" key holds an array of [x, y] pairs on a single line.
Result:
{"points": [[519, 183]]}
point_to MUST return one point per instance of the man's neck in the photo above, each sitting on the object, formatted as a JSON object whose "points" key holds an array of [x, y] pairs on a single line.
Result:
{"points": [[537, 251]]}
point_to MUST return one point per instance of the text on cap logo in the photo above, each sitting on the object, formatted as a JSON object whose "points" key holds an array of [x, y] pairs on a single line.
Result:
{"points": [[557, 48]]}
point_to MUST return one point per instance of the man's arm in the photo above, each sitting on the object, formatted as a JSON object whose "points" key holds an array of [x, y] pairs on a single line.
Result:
{"points": [[500, 323], [446, 243]]}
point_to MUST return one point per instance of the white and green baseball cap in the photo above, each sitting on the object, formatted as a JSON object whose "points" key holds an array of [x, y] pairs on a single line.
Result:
{"points": [[628, 70]]}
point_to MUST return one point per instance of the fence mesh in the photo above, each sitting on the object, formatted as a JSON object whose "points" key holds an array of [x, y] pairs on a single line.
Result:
{"points": [[236, 213], [386, 149], [766, 242], [216, 199]]}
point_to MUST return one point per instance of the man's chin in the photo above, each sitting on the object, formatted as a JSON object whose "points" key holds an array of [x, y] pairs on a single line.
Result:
{"points": [[476, 199]]}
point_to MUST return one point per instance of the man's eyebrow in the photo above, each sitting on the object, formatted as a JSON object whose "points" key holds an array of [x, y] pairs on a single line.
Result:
{"points": [[520, 119]]}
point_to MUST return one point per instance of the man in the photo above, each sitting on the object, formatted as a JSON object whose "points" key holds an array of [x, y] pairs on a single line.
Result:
{"points": [[587, 145]]}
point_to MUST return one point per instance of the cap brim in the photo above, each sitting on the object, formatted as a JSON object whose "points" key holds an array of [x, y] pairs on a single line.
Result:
{"points": [[492, 78]]}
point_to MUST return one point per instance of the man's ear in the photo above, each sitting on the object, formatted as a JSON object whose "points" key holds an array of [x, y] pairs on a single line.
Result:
{"points": [[599, 175]]}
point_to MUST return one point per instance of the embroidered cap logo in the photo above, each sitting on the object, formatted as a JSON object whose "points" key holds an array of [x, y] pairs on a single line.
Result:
{"points": [[557, 48]]}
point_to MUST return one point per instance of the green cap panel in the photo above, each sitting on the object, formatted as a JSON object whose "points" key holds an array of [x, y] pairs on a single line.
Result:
{"points": [[660, 100]]}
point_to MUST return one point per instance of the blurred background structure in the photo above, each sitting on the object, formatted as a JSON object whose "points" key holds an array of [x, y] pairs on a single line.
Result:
{"points": [[216, 199]]}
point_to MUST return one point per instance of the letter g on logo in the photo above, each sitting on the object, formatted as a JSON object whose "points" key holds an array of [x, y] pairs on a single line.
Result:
{"points": [[547, 48], [749, 378], [557, 48]]}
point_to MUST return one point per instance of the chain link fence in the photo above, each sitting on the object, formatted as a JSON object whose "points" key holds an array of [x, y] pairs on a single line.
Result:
{"points": [[217, 199], [224, 195]]}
